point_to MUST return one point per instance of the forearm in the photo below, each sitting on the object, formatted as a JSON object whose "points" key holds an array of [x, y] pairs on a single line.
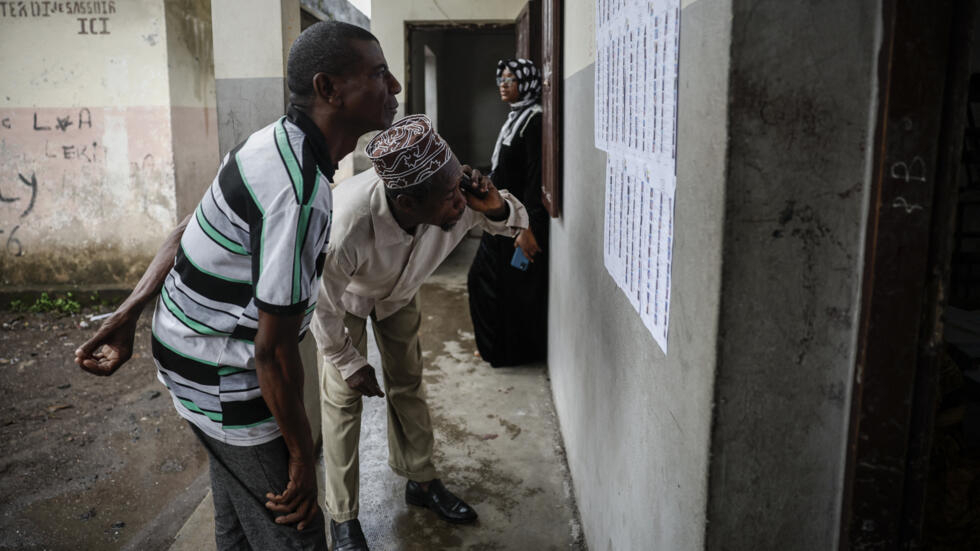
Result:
{"points": [[515, 220], [156, 273], [333, 342], [280, 375], [500, 214]]}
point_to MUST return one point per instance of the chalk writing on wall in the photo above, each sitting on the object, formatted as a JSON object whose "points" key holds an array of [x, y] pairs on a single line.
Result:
{"points": [[61, 136], [13, 245], [97, 13]]}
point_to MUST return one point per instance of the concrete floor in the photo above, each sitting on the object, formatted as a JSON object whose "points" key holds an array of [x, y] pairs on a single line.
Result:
{"points": [[497, 445]]}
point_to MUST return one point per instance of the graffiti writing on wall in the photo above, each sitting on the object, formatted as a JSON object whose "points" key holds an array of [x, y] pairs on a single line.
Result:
{"points": [[13, 245], [96, 13], [63, 136], [20, 196]]}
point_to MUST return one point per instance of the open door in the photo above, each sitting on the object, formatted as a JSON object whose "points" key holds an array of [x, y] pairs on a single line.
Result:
{"points": [[538, 34], [527, 28], [551, 102]]}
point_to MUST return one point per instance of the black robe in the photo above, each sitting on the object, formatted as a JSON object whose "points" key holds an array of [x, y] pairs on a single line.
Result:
{"points": [[509, 307]]}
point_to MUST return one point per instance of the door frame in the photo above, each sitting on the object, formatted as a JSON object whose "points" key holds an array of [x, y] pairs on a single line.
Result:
{"points": [[922, 76]]}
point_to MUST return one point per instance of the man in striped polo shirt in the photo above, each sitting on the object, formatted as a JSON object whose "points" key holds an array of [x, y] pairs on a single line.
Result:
{"points": [[238, 295]]}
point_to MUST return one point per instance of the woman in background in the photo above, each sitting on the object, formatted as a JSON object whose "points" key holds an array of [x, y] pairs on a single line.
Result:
{"points": [[509, 306]]}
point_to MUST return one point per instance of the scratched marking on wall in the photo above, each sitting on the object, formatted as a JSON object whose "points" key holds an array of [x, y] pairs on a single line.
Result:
{"points": [[91, 17], [19, 188]]}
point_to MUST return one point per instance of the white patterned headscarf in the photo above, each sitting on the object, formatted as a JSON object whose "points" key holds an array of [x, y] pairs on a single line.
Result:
{"points": [[529, 86], [408, 152], [528, 80]]}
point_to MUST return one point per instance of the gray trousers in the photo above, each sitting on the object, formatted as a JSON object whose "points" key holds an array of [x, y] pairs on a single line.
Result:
{"points": [[240, 478]]}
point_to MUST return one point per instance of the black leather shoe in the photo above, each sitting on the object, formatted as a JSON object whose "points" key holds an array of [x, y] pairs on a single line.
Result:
{"points": [[440, 500], [347, 536]]}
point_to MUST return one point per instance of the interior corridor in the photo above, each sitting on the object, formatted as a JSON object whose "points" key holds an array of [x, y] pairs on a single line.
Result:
{"points": [[497, 445]]}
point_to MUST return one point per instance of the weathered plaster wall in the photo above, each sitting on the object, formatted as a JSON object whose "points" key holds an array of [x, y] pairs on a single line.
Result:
{"points": [[251, 47], [193, 117], [86, 158], [802, 108], [635, 422]]}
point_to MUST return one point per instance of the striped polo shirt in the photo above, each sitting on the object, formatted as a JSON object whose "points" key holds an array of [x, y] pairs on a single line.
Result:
{"points": [[255, 242]]}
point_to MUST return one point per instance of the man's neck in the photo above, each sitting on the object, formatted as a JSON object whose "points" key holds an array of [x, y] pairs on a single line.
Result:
{"points": [[341, 139], [403, 219]]}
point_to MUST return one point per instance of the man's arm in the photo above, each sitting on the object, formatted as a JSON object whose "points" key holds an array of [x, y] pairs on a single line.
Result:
{"points": [[112, 345], [501, 212], [280, 373], [328, 323]]}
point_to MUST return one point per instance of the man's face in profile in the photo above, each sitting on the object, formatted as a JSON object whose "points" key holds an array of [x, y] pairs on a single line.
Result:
{"points": [[445, 204], [370, 89]]}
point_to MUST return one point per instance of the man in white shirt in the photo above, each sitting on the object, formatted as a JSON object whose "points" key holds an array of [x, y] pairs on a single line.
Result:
{"points": [[392, 227]]}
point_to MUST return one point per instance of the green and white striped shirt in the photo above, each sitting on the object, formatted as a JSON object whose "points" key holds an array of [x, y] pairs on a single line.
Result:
{"points": [[255, 242]]}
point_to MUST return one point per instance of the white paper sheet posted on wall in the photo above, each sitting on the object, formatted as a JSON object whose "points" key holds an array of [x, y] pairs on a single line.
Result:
{"points": [[637, 43]]}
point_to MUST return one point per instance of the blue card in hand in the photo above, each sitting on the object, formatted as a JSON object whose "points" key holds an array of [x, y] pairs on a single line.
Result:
{"points": [[519, 261]]}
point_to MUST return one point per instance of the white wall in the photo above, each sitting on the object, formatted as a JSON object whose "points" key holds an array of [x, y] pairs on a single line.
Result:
{"points": [[100, 149], [636, 422]]}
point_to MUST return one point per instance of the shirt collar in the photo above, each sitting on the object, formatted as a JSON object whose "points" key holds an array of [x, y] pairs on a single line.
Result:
{"points": [[386, 228], [318, 143]]}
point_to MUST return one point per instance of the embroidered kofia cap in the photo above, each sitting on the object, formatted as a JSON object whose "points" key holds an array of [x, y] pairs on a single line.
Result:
{"points": [[408, 152]]}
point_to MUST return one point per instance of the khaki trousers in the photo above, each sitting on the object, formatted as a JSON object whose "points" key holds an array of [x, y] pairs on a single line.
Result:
{"points": [[311, 386], [410, 439]]}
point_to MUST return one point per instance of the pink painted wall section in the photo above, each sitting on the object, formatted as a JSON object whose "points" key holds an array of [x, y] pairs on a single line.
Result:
{"points": [[86, 193], [195, 131]]}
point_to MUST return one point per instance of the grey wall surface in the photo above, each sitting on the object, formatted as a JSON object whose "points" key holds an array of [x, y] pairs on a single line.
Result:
{"points": [[193, 116], [246, 105], [801, 115], [470, 110], [339, 10], [636, 422]]}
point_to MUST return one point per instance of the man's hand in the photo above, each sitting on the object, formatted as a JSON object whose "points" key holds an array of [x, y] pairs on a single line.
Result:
{"points": [[364, 381], [491, 204], [526, 241], [298, 503], [111, 346]]}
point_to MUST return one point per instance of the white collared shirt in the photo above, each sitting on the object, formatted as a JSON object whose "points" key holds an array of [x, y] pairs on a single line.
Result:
{"points": [[372, 264]]}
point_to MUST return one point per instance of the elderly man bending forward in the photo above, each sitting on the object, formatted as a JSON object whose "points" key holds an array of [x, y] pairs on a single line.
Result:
{"points": [[392, 228]]}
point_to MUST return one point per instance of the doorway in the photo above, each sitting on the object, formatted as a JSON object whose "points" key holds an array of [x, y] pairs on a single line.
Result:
{"points": [[449, 76]]}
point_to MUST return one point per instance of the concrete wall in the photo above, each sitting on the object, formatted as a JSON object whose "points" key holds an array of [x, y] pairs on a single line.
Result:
{"points": [[734, 440], [636, 423], [193, 117], [86, 157], [251, 46], [802, 110]]}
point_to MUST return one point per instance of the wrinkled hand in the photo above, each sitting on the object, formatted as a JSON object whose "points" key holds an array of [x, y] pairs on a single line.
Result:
{"points": [[111, 346], [298, 501], [364, 381], [491, 203], [526, 241]]}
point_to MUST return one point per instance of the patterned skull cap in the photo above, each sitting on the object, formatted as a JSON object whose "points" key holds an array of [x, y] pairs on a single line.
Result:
{"points": [[408, 152]]}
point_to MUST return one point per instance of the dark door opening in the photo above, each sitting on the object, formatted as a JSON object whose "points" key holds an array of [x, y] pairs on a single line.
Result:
{"points": [[952, 499], [449, 75]]}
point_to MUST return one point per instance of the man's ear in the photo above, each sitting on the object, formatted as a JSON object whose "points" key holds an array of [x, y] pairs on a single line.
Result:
{"points": [[325, 86], [406, 203]]}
